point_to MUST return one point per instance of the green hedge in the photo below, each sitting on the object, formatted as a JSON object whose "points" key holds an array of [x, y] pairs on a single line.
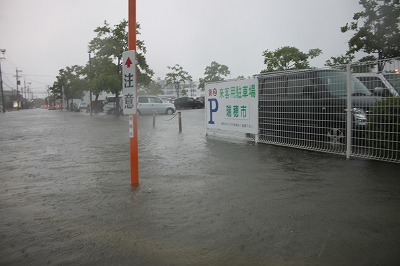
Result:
{"points": [[384, 128]]}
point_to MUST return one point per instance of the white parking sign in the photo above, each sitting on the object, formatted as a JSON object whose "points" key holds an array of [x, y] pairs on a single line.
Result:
{"points": [[233, 105], [129, 82]]}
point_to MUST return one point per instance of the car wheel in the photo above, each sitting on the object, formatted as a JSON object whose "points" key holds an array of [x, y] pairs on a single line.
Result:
{"points": [[169, 111], [335, 136]]}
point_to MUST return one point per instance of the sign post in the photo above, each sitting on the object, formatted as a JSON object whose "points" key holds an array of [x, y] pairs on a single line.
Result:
{"points": [[130, 102], [129, 82], [232, 106]]}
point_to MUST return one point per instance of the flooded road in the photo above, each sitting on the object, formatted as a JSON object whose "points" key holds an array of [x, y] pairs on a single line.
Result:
{"points": [[65, 197]]}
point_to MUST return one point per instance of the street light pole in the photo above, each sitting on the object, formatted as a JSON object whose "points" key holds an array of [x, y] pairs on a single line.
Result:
{"points": [[3, 107]]}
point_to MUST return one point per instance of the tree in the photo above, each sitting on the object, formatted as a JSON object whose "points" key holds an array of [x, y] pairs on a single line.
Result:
{"points": [[213, 73], [339, 61], [364, 65], [184, 92], [111, 42], [376, 29], [101, 76], [153, 88], [71, 80], [176, 76], [288, 57]]}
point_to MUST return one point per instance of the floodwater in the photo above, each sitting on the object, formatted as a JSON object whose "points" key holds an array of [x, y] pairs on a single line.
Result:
{"points": [[65, 197]]}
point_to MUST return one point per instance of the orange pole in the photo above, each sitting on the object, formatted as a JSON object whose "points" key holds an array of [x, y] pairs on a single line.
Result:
{"points": [[133, 142]]}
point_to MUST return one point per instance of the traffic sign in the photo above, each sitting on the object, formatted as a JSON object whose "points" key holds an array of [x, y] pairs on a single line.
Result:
{"points": [[129, 82]]}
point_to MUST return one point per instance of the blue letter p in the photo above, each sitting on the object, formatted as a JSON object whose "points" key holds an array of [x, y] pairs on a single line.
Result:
{"points": [[212, 109]]}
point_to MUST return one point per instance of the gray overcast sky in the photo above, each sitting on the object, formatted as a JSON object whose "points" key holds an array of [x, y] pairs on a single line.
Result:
{"points": [[43, 36]]}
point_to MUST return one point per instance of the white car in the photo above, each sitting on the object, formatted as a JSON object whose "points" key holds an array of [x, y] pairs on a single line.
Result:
{"points": [[376, 82], [82, 105], [147, 104]]}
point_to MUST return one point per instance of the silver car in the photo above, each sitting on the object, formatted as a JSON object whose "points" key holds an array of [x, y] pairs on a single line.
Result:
{"points": [[82, 105], [147, 104], [379, 83]]}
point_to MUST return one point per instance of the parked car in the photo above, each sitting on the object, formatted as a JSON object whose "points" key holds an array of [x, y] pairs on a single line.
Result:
{"points": [[200, 98], [110, 105], [148, 103], [73, 107], [312, 103], [188, 102], [167, 99], [82, 105], [379, 84], [394, 80], [97, 107]]}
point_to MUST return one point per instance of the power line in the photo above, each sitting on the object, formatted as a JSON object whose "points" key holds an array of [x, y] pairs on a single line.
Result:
{"points": [[40, 82], [8, 85], [49, 76]]}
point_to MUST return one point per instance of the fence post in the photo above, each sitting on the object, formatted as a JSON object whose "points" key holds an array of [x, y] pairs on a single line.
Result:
{"points": [[348, 113], [154, 119], [180, 122]]}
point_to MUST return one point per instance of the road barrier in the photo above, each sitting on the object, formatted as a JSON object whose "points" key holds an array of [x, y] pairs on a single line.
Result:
{"points": [[179, 114]]}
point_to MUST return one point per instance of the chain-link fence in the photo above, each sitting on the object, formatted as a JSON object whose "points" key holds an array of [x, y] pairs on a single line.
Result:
{"points": [[352, 110]]}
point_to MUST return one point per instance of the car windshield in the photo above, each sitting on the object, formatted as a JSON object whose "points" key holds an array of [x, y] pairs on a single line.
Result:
{"points": [[336, 84], [155, 100], [394, 79]]}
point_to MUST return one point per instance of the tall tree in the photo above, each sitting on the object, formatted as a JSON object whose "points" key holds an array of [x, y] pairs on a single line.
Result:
{"points": [[153, 88], [111, 42], [101, 76], [213, 73], [72, 81], [376, 29], [176, 77], [288, 57], [341, 61]]}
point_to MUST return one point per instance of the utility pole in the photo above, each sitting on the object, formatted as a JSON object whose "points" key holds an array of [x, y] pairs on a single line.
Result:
{"points": [[18, 82], [26, 87], [48, 97], [28, 90], [90, 87], [3, 51], [22, 94], [63, 98]]}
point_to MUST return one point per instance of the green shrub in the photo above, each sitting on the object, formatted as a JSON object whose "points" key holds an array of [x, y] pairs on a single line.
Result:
{"points": [[384, 128]]}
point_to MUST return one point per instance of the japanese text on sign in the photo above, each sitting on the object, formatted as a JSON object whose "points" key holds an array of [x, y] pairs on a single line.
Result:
{"points": [[233, 105], [129, 82]]}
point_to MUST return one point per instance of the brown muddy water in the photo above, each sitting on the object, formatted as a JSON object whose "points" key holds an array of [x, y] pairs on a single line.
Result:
{"points": [[65, 197]]}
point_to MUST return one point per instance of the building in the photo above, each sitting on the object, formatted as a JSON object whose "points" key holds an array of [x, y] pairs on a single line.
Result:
{"points": [[191, 88]]}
